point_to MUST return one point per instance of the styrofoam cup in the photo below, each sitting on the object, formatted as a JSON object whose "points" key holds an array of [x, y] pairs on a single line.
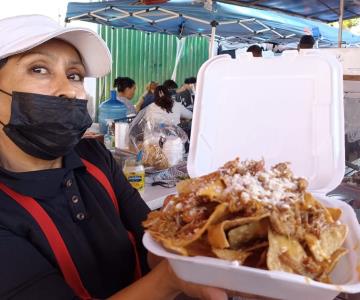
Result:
{"points": [[122, 135]]}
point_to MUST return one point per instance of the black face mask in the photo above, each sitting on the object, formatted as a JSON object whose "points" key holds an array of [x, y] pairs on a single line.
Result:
{"points": [[46, 127]]}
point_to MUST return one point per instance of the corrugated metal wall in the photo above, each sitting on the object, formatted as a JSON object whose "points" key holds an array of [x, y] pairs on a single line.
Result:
{"points": [[148, 56]]}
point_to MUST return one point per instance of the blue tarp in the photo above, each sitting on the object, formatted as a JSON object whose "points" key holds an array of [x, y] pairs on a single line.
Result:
{"points": [[190, 17], [325, 10]]}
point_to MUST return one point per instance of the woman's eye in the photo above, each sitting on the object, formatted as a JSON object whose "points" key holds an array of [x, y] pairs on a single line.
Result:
{"points": [[39, 70], [76, 77]]}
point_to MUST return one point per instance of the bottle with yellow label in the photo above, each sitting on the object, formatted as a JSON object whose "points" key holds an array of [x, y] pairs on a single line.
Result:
{"points": [[134, 171]]}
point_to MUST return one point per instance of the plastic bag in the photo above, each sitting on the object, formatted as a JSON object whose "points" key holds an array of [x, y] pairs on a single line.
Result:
{"points": [[162, 143]]}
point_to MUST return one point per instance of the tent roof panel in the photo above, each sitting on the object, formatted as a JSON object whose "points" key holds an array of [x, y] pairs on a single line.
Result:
{"points": [[322, 10], [188, 17]]}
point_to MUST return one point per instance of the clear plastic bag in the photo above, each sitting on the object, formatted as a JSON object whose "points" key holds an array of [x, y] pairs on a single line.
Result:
{"points": [[162, 143]]}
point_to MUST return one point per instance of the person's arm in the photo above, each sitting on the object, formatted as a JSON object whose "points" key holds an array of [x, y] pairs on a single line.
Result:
{"points": [[26, 274], [153, 260], [185, 113], [162, 284], [140, 102]]}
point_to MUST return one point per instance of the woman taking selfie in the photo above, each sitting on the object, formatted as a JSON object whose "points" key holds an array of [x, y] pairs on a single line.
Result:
{"points": [[70, 224]]}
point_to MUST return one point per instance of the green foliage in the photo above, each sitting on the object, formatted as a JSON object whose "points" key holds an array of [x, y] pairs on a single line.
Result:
{"points": [[351, 23], [347, 24], [148, 56]]}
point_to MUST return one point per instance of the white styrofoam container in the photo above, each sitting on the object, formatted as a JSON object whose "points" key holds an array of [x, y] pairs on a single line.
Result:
{"points": [[287, 108]]}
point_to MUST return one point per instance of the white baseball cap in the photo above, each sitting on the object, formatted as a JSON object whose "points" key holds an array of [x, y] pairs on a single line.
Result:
{"points": [[21, 33]]}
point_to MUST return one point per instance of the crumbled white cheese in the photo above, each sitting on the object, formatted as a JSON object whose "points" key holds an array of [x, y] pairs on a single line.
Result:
{"points": [[266, 186], [178, 206]]}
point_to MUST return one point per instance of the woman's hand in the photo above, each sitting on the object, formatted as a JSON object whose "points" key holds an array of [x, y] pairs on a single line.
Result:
{"points": [[163, 284], [153, 260], [194, 290]]}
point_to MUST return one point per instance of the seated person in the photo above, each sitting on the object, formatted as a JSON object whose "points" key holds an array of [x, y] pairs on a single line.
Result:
{"points": [[126, 90]]}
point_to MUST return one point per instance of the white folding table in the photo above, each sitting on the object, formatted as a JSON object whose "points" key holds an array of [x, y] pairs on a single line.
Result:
{"points": [[154, 196]]}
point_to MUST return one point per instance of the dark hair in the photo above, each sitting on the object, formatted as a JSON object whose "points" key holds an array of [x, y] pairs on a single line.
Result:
{"points": [[163, 98], [170, 84], [121, 83], [190, 80], [256, 50], [3, 62], [306, 42]]}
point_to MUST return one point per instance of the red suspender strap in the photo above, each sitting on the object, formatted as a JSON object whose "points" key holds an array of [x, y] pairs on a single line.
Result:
{"points": [[54, 238], [104, 181], [137, 274]]}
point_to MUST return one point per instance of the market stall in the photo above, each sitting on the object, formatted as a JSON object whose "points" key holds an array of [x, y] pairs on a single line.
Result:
{"points": [[218, 21]]}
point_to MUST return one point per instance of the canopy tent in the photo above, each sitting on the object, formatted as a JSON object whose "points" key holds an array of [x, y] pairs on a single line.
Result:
{"points": [[322, 10], [183, 18]]}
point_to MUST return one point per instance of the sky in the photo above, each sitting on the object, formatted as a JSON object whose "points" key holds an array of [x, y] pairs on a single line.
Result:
{"points": [[55, 9], [356, 29]]}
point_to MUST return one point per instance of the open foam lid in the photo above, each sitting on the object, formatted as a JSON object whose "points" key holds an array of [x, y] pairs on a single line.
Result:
{"points": [[286, 108]]}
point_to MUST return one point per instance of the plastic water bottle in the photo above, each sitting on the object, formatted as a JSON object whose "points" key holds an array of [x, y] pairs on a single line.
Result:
{"points": [[111, 109]]}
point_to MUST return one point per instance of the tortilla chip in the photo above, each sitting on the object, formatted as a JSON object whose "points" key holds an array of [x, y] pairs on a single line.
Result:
{"points": [[335, 257], [331, 239], [311, 202], [307, 267], [284, 222], [295, 265], [247, 232], [313, 268], [217, 233], [169, 245], [193, 185], [334, 212], [174, 244], [200, 247], [212, 191], [227, 254], [153, 218], [279, 245]]}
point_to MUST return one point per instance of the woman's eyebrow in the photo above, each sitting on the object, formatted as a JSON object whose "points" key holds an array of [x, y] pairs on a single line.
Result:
{"points": [[76, 63], [50, 55], [37, 52]]}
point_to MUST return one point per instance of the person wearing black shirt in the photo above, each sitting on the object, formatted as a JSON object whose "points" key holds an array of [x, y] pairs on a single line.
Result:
{"points": [[186, 94], [70, 223]]}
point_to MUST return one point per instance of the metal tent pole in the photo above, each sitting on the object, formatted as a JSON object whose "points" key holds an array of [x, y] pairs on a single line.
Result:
{"points": [[212, 39], [341, 9]]}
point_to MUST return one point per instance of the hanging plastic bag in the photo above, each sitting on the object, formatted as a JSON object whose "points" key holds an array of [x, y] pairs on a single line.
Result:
{"points": [[162, 143]]}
